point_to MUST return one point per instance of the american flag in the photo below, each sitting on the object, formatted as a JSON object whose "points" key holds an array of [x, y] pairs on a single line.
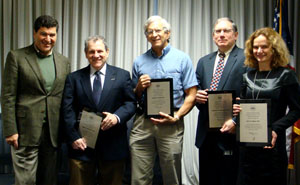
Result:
{"points": [[280, 25]]}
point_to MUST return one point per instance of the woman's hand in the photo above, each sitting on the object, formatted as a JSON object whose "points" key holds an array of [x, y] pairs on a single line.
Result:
{"points": [[273, 142]]}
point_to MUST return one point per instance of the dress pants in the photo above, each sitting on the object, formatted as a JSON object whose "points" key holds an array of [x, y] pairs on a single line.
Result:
{"points": [[84, 173], [146, 141], [216, 166], [36, 164]]}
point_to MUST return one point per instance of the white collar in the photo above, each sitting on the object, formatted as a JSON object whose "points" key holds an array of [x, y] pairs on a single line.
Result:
{"points": [[102, 70]]}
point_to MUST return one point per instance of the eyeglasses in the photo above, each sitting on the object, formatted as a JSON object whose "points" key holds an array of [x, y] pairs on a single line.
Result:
{"points": [[225, 31], [151, 32]]}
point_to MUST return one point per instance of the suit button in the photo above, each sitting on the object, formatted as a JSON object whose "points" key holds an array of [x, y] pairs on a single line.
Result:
{"points": [[43, 111]]}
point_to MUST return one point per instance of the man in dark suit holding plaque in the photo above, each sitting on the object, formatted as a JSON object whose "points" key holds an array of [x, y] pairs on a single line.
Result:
{"points": [[32, 87], [163, 135], [220, 70], [105, 89]]}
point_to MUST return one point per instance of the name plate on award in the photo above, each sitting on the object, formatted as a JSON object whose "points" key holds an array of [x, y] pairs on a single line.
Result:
{"points": [[253, 124], [159, 98], [219, 107], [89, 127]]}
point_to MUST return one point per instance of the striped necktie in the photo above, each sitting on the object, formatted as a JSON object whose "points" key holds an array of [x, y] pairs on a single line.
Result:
{"points": [[218, 73]]}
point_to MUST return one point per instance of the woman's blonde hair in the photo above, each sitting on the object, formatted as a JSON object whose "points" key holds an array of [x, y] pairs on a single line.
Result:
{"points": [[280, 53]]}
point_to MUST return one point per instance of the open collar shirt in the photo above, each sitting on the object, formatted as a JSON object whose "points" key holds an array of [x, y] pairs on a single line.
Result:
{"points": [[174, 64]]}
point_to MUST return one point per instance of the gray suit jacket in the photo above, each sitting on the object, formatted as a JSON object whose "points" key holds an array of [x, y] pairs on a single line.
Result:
{"points": [[25, 100], [231, 79]]}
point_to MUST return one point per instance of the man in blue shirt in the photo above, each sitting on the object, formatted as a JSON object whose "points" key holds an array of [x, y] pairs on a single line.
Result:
{"points": [[162, 136]]}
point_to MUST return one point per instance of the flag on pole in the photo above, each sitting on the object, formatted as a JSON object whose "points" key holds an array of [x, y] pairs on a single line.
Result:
{"points": [[295, 139], [281, 26]]}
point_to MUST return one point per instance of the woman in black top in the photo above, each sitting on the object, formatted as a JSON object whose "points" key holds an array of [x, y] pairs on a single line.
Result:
{"points": [[268, 55]]}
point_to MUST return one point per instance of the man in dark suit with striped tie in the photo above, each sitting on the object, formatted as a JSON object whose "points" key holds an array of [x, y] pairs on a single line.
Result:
{"points": [[220, 70], [105, 89]]}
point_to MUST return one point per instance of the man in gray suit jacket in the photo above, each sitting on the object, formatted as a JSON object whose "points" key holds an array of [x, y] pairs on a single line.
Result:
{"points": [[217, 149], [32, 88]]}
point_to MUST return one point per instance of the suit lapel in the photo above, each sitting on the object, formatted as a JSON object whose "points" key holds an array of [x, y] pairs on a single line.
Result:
{"points": [[58, 71], [33, 63], [86, 84], [210, 69], [110, 78], [228, 67]]}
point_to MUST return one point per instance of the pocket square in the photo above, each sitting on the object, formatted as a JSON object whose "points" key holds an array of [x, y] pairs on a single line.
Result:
{"points": [[113, 78]]}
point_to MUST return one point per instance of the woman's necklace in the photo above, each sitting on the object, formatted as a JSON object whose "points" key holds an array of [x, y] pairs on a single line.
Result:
{"points": [[260, 87]]}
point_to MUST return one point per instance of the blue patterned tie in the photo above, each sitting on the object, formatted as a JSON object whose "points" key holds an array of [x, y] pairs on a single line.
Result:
{"points": [[218, 73], [97, 88]]}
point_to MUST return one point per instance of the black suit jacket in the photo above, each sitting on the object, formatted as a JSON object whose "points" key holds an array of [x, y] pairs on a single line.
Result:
{"points": [[231, 79], [117, 98]]}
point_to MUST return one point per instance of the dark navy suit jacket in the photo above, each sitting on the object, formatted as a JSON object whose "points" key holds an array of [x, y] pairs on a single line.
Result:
{"points": [[231, 79], [117, 98]]}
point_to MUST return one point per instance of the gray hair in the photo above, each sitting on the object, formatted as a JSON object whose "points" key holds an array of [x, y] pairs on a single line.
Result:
{"points": [[234, 27], [166, 25], [94, 38]]}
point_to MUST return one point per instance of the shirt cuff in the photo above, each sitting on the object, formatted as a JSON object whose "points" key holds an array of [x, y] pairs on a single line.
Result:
{"points": [[233, 122], [119, 121]]}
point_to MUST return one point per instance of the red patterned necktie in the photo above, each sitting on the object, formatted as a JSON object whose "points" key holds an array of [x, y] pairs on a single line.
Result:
{"points": [[218, 73]]}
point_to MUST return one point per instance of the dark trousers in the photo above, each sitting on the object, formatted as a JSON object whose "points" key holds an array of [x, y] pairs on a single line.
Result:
{"points": [[216, 165], [259, 166], [84, 173]]}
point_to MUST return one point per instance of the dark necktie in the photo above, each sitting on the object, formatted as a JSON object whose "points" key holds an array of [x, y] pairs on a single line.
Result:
{"points": [[97, 88], [218, 73]]}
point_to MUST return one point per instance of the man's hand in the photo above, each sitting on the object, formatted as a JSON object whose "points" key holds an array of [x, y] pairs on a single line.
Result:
{"points": [[201, 96], [109, 121], [79, 144], [166, 119], [143, 83], [13, 140], [228, 127], [273, 142]]}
